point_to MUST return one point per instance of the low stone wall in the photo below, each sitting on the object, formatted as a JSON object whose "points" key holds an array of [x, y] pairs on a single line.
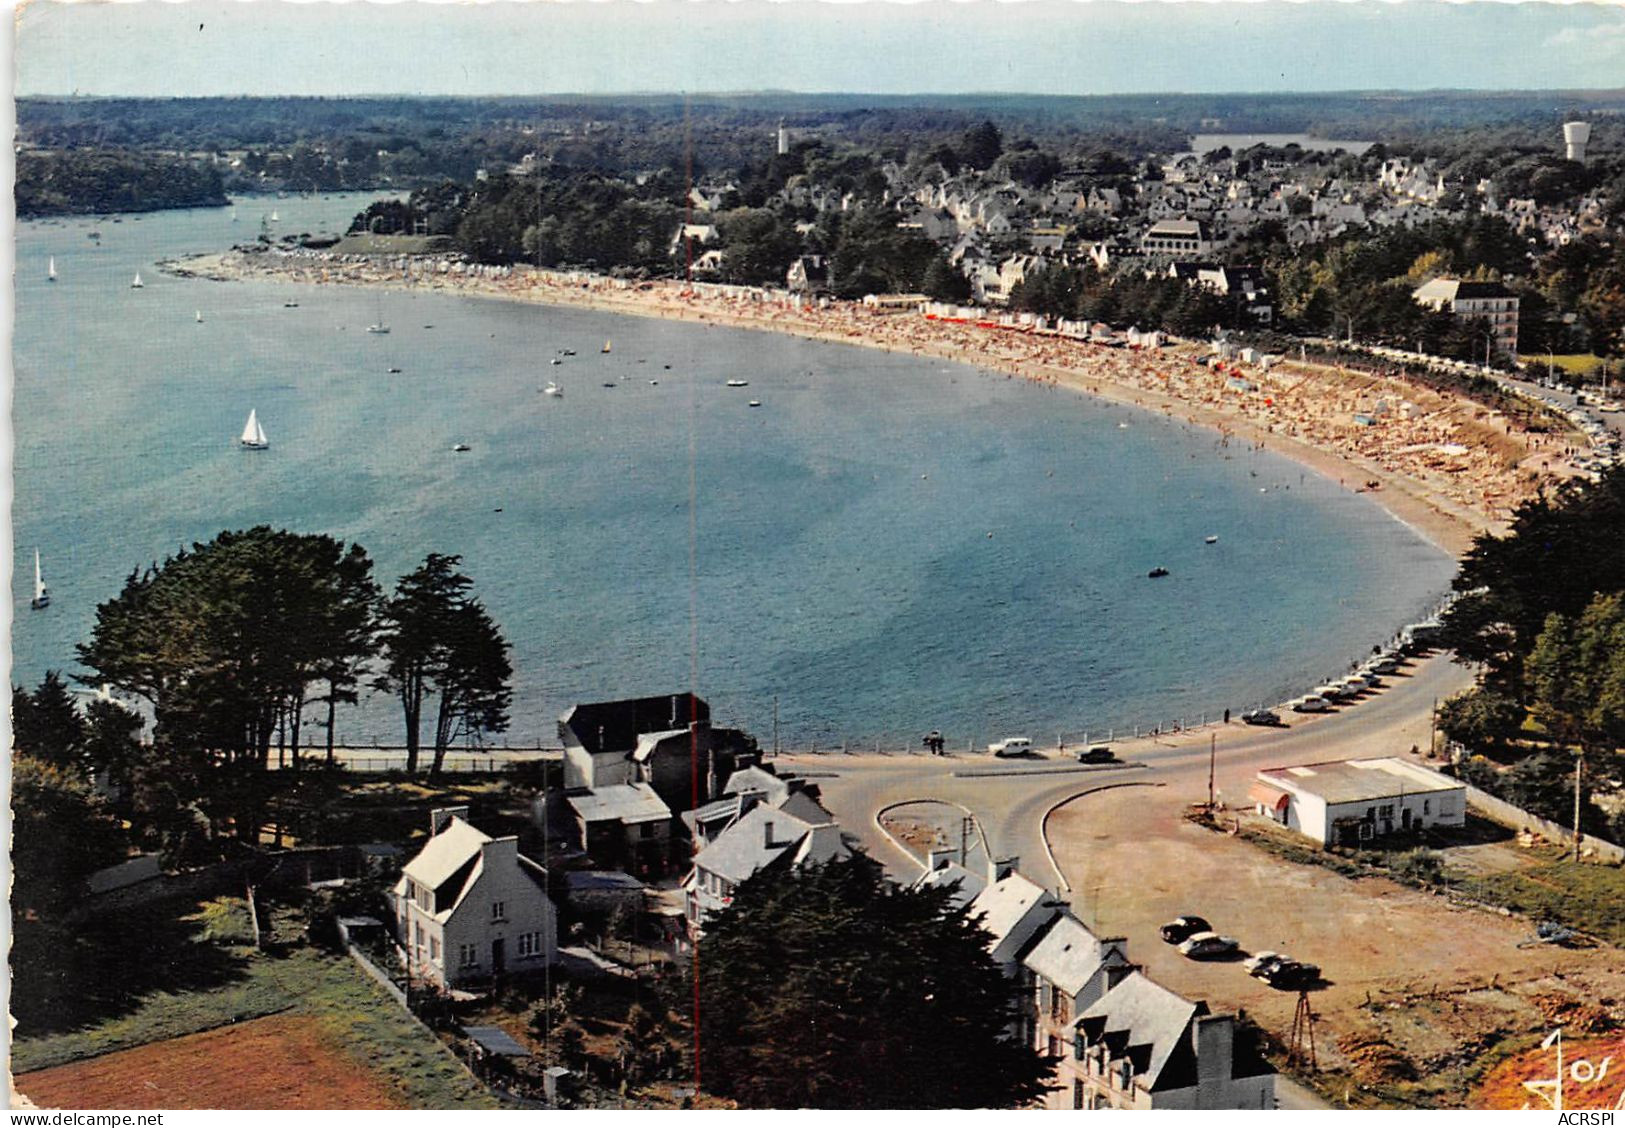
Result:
{"points": [[1503, 812]]}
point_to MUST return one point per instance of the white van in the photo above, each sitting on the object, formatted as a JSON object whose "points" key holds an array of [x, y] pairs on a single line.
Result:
{"points": [[1011, 746]]}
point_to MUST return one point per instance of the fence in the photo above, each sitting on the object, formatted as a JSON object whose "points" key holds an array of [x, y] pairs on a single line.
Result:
{"points": [[1503, 812]]}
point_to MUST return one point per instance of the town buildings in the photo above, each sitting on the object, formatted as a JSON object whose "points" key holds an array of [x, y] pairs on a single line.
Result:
{"points": [[1490, 304]]}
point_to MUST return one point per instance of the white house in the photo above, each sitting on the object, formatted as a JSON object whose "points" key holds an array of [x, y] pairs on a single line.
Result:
{"points": [[470, 906], [797, 833], [1142, 1046], [1345, 802], [1067, 971]]}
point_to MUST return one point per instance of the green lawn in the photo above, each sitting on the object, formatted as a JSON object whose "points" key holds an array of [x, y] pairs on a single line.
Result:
{"points": [[1588, 897], [1574, 364], [165, 998]]}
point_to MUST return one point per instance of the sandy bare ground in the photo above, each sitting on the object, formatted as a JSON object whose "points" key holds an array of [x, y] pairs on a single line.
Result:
{"points": [[1402, 965]]}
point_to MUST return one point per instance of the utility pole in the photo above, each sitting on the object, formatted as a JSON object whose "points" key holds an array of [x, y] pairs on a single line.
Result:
{"points": [[1433, 726], [1212, 762], [775, 726]]}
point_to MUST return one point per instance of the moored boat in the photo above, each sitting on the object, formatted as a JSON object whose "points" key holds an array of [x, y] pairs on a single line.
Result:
{"points": [[253, 436]]}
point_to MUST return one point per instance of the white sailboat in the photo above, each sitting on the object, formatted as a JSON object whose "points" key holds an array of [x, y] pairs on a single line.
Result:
{"points": [[42, 594], [50, 270], [552, 389], [200, 317], [137, 284], [274, 217], [253, 437], [606, 347], [234, 215]]}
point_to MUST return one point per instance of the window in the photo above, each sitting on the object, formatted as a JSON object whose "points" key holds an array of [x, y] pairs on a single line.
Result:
{"points": [[499, 910], [468, 955], [1060, 1007], [434, 948], [646, 830], [1387, 810], [1427, 806], [1077, 1094], [1054, 1046], [530, 943], [417, 936]]}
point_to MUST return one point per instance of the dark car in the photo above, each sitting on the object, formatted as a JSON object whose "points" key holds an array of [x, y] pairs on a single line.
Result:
{"points": [[1260, 717], [1291, 975], [1180, 929], [1100, 754]]}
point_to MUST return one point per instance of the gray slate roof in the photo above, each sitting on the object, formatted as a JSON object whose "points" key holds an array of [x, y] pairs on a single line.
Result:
{"points": [[1143, 1020], [1068, 954]]}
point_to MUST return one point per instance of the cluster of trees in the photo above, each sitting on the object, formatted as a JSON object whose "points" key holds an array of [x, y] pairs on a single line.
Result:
{"points": [[555, 218], [235, 646], [1542, 611], [63, 830], [1129, 297], [828, 987], [88, 181]]}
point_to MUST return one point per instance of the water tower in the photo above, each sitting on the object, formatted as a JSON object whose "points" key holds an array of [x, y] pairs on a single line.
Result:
{"points": [[1575, 136]]}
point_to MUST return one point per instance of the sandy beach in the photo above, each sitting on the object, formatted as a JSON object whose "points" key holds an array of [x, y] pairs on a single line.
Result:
{"points": [[1447, 466]]}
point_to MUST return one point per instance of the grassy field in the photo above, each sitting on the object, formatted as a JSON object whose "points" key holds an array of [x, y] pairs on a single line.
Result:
{"points": [[201, 975], [1588, 897], [1574, 364]]}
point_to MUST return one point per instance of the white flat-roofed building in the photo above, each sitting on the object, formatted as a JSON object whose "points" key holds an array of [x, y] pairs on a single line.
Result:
{"points": [[1345, 802]]}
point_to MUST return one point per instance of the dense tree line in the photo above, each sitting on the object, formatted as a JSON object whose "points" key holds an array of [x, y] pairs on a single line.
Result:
{"points": [[1542, 613], [235, 646], [829, 987], [112, 181]]}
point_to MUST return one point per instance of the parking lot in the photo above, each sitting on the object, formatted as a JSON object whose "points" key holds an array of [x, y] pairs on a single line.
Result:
{"points": [[1134, 865]]}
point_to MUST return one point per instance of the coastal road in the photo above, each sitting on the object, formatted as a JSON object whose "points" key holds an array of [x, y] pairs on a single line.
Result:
{"points": [[1011, 805]]}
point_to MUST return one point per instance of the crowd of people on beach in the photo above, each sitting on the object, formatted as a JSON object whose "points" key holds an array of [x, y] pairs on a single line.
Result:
{"points": [[1473, 464]]}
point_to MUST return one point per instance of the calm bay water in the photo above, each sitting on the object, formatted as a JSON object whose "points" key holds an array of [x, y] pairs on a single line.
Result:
{"points": [[888, 544]]}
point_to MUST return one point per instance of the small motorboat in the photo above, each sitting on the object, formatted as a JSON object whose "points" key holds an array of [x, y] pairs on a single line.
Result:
{"points": [[460, 447], [394, 371], [552, 389], [755, 403], [610, 384], [738, 383], [1157, 573], [1211, 540], [654, 383], [556, 360]]}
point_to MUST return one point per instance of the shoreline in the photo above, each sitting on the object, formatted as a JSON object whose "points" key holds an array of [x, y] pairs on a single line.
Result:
{"points": [[1445, 467]]}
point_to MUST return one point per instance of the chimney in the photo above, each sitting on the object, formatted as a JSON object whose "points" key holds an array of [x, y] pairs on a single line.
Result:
{"points": [[500, 850], [748, 800], [999, 870], [767, 834], [939, 858], [1215, 1038], [440, 816]]}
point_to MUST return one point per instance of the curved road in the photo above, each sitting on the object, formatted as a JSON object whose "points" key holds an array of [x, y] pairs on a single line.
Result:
{"points": [[1011, 804]]}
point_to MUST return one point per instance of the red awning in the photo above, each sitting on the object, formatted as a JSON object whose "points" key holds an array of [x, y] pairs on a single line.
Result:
{"points": [[1269, 796]]}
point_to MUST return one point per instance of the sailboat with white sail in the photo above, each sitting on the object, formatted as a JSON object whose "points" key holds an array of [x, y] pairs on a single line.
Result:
{"points": [[42, 594], [50, 270], [253, 436], [137, 284]]}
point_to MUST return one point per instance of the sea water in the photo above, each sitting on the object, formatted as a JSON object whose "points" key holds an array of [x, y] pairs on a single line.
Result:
{"points": [[888, 544]]}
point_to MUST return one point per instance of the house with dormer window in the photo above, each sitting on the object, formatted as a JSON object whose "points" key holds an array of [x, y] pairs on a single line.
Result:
{"points": [[471, 907]]}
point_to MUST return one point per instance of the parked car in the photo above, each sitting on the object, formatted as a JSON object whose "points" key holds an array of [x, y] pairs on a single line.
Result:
{"points": [[1011, 746], [1262, 964], [1291, 975], [1208, 946], [1099, 754], [1387, 664], [1260, 717], [1314, 703], [1183, 928]]}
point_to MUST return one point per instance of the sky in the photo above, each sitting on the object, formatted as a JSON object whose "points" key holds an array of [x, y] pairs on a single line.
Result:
{"points": [[249, 47]]}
